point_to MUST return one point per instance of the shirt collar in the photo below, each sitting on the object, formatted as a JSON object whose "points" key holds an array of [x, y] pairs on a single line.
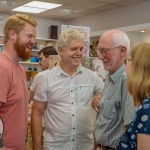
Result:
{"points": [[114, 77], [60, 71]]}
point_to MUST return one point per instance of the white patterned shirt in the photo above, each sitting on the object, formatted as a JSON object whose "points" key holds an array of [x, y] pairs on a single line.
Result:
{"points": [[69, 118]]}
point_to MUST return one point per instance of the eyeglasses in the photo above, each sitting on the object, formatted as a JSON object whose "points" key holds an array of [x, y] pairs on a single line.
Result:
{"points": [[104, 51]]}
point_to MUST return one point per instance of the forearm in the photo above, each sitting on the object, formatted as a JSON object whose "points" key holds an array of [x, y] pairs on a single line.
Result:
{"points": [[36, 131], [143, 141]]}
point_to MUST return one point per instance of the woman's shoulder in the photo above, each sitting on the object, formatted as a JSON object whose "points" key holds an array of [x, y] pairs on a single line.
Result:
{"points": [[144, 108]]}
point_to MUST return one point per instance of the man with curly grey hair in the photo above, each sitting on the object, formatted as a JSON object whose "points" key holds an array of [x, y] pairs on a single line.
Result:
{"points": [[64, 95]]}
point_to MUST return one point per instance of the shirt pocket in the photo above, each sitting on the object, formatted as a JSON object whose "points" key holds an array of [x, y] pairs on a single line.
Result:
{"points": [[106, 107], [85, 93]]}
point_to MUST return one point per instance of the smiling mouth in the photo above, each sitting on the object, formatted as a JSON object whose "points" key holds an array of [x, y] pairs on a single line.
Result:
{"points": [[76, 59], [29, 48]]}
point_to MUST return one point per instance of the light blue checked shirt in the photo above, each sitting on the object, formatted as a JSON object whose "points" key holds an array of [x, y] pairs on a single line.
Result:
{"points": [[69, 118], [116, 109]]}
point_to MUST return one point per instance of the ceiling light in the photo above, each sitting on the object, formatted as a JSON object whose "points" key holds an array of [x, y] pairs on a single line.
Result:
{"points": [[29, 9], [70, 11], [36, 7], [143, 31], [43, 5]]}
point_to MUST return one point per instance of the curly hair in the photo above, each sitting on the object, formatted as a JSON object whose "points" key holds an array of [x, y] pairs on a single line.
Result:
{"points": [[69, 35]]}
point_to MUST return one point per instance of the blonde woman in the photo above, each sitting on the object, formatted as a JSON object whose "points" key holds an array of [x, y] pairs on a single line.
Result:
{"points": [[137, 135]]}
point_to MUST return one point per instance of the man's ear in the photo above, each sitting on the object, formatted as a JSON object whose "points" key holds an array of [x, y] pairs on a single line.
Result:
{"points": [[123, 50], [12, 34], [60, 51]]}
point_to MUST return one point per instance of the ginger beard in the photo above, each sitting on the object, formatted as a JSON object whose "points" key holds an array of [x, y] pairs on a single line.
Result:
{"points": [[23, 50]]}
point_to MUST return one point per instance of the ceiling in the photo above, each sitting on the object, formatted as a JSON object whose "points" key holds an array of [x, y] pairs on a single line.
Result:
{"points": [[71, 9]]}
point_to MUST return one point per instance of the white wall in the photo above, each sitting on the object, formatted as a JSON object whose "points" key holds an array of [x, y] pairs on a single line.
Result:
{"points": [[138, 37], [42, 28], [127, 17]]}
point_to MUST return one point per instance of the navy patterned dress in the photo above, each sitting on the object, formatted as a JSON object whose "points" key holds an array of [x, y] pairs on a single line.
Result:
{"points": [[139, 124]]}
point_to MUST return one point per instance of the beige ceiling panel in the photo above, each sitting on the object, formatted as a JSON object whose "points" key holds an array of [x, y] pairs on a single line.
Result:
{"points": [[91, 11], [56, 13], [59, 1], [71, 8], [108, 7], [87, 4], [71, 17], [129, 2], [108, 1]]}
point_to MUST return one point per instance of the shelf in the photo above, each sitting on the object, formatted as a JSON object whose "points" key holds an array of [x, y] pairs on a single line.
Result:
{"points": [[1, 44], [29, 63], [44, 39], [35, 50]]}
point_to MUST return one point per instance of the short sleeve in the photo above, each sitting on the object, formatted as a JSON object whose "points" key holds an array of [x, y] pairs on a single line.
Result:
{"points": [[143, 117], [35, 82], [41, 91], [4, 83]]}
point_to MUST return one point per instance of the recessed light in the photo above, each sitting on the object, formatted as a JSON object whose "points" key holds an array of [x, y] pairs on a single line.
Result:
{"points": [[143, 31], [29, 9], [43, 5], [36, 7]]}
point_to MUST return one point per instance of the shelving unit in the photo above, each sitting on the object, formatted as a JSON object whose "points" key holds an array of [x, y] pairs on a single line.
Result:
{"points": [[29, 63], [41, 43], [34, 50], [45, 39], [1, 42]]}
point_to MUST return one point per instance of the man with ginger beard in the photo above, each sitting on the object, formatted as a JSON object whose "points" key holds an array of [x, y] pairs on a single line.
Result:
{"points": [[19, 38]]}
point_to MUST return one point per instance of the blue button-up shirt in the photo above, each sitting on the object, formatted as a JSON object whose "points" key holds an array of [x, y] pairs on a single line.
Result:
{"points": [[116, 109]]}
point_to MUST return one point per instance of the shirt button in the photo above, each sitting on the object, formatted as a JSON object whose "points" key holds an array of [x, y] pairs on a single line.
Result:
{"points": [[72, 103], [73, 128], [72, 114], [71, 90], [73, 140]]}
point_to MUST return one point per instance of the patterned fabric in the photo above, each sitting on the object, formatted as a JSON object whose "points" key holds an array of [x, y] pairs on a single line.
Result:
{"points": [[116, 109], [69, 118], [139, 124], [36, 81]]}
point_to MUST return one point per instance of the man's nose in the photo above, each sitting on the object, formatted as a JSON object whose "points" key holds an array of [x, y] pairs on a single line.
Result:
{"points": [[100, 56], [32, 40]]}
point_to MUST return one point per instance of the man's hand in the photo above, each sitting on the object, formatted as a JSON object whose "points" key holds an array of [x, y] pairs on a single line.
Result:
{"points": [[95, 101]]}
